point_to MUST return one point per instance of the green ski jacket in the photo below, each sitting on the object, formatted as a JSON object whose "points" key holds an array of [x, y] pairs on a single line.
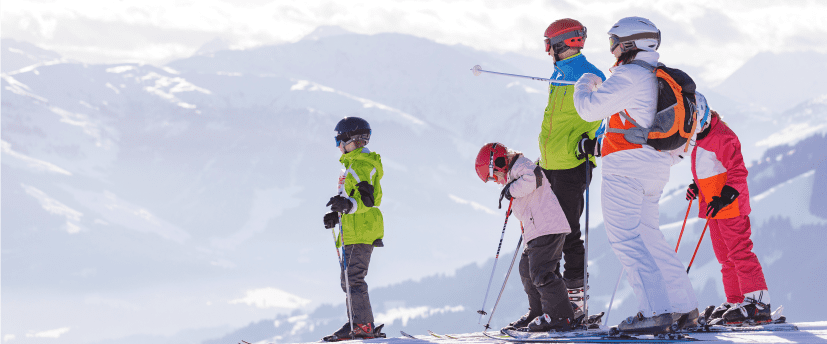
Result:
{"points": [[363, 225], [562, 127]]}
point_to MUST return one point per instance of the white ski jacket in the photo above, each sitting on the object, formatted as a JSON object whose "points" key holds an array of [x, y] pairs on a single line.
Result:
{"points": [[534, 202], [630, 88]]}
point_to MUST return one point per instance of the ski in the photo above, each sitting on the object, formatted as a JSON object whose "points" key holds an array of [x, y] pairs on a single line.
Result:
{"points": [[599, 339], [407, 335], [565, 334], [440, 336], [778, 323], [772, 327]]}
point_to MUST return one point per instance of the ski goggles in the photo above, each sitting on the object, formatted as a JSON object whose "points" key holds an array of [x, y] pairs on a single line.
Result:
{"points": [[360, 134], [557, 48], [558, 42], [614, 41]]}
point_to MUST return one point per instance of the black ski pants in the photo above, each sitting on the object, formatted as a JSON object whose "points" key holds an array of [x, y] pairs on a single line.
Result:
{"points": [[545, 288], [358, 260], [569, 186]]}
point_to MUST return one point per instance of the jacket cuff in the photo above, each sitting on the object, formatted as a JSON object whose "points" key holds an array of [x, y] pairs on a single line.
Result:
{"points": [[729, 194], [354, 207]]}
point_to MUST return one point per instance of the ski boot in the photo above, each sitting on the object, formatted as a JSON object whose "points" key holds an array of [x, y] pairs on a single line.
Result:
{"points": [[578, 303], [594, 321], [545, 323], [714, 315], [681, 321], [640, 324], [754, 310], [341, 334], [367, 331], [360, 331], [751, 313], [521, 322]]}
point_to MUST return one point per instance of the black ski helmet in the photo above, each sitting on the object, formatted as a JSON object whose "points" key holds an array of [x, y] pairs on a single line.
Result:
{"points": [[352, 128]]}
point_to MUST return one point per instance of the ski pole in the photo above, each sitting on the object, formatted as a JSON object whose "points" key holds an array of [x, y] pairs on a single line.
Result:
{"points": [[684, 225], [699, 245], [617, 284], [519, 242], [478, 70], [347, 282], [507, 214], [586, 251]]}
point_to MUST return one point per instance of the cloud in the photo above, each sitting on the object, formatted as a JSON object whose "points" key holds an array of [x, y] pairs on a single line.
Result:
{"points": [[474, 205], [271, 298], [56, 333], [716, 35]]}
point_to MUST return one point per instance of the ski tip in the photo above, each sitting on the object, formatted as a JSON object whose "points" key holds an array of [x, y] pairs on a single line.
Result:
{"points": [[477, 70], [778, 313], [407, 335]]}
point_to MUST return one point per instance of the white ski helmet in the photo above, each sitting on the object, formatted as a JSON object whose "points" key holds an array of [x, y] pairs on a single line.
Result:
{"points": [[634, 32]]}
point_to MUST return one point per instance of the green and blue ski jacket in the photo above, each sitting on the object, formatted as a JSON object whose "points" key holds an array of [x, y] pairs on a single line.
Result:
{"points": [[562, 127]]}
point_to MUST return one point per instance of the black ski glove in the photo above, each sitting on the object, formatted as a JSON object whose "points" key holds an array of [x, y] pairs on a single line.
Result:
{"points": [[339, 204], [366, 190], [728, 195], [506, 193], [692, 192], [586, 147], [331, 219]]}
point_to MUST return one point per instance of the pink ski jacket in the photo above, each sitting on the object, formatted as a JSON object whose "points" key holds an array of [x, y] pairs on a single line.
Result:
{"points": [[717, 161], [534, 202]]}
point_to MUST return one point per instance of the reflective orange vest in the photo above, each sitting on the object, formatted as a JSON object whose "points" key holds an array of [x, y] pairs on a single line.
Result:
{"points": [[615, 142]]}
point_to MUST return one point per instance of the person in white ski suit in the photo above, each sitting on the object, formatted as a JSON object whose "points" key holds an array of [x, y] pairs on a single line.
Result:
{"points": [[634, 176]]}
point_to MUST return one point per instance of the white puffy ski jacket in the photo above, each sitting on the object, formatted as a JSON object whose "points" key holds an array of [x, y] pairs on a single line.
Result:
{"points": [[534, 202], [634, 89]]}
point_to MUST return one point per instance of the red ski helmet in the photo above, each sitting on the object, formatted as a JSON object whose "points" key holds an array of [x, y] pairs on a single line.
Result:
{"points": [[567, 31], [492, 157]]}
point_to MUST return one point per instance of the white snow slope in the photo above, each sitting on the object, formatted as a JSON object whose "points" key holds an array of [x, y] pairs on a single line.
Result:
{"points": [[808, 332]]}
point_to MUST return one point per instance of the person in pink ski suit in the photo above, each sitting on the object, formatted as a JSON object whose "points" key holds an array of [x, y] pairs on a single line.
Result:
{"points": [[720, 184]]}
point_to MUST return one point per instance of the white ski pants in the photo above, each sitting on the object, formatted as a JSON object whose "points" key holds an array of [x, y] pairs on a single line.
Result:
{"points": [[630, 212]]}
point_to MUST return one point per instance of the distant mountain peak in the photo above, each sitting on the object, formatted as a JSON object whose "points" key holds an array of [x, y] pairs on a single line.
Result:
{"points": [[19, 54], [326, 31]]}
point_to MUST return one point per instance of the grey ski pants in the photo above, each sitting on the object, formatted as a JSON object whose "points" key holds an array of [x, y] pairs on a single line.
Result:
{"points": [[544, 286], [358, 260]]}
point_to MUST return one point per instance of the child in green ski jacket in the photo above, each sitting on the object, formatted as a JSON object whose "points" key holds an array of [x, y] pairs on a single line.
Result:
{"points": [[356, 207]]}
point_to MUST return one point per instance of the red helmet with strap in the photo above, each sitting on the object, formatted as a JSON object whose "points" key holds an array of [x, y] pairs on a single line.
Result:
{"points": [[492, 157], [566, 31]]}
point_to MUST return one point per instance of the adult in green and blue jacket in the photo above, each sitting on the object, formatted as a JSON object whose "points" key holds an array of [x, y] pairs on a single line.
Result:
{"points": [[562, 129]]}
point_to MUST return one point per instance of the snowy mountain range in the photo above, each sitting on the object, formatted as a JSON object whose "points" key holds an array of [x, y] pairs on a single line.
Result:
{"points": [[143, 202]]}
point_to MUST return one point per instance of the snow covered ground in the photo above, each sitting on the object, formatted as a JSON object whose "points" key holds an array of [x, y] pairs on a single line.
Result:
{"points": [[809, 332]]}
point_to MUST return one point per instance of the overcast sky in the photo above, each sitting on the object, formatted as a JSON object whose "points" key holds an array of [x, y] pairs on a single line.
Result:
{"points": [[715, 36]]}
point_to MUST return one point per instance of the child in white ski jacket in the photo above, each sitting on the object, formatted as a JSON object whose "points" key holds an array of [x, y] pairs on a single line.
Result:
{"points": [[544, 232]]}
